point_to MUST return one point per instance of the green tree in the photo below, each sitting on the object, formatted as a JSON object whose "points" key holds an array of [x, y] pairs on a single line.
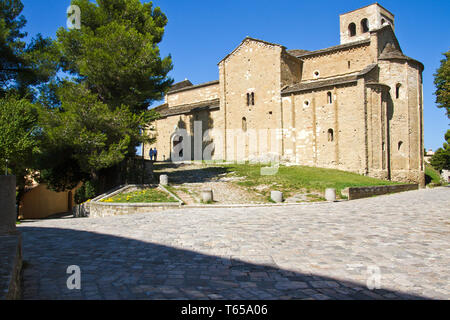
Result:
{"points": [[22, 65], [116, 54], [18, 127], [84, 135], [442, 82], [441, 158]]}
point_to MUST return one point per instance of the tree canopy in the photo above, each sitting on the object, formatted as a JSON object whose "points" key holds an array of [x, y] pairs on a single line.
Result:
{"points": [[84, 136], [116, 54], [442, 82], [441, 158], [18, 127], [22, 65]]}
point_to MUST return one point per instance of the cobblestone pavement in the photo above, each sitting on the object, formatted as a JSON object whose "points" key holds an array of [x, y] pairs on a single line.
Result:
{"points": [[312, 251]]}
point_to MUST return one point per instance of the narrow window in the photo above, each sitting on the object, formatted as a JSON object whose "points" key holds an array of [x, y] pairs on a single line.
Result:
{"points": [[329, 98], [248, 99], [244, 124], [330, 135], [349, 64], [400, 143], [383, 21], [365, 25], [253, 98], [352, 29], [397, 90]]}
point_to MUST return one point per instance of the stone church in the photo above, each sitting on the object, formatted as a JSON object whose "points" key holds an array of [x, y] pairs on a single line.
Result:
{"points": [[356, 106]]}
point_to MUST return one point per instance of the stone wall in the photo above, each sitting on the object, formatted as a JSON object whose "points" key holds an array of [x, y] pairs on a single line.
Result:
{"points": [[10, 267], [188, 95], [10, 241], [98, 209], [366, 192], [365, 129], [338, 62]]}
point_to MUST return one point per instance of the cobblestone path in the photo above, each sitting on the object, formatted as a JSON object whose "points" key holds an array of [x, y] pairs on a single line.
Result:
{"points": [[399, 243]]}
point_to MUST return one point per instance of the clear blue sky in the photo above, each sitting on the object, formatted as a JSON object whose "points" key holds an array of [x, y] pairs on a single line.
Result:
{"points": [[200, 33]]}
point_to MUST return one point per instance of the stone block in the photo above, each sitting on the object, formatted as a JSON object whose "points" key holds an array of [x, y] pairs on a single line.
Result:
{"points": [[276, 196]]}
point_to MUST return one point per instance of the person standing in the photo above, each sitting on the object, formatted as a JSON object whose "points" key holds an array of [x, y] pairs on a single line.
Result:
{"points": [[150, 153], [155, 154]]}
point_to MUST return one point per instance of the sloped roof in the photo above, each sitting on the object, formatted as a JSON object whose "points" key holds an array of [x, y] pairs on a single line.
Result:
{"points": [[180, 85], [191, 87], [297, 52], [166, 111]]}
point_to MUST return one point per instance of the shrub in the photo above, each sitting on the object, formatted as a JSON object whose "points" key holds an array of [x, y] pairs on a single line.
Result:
{"points": [[85, 192]]}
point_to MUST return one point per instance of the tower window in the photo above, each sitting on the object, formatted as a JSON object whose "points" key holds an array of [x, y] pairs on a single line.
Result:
{"points": [[244, 124], [352, 29], [397, 90], [251, 99], [329, 98], [349, 64], [330, 135], [365, 25], [316, 74], [400, 143]]}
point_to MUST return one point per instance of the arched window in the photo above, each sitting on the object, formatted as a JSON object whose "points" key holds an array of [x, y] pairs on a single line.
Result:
{"points": [[329, 98], [397, 90], [352, 29], [400, 143], [365, 25], [244, 124], [383, 21], [330, 135]]}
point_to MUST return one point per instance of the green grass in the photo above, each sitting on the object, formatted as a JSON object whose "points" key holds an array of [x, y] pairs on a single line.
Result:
{"points": [[300, 178], [432, 175], [141, 196]]}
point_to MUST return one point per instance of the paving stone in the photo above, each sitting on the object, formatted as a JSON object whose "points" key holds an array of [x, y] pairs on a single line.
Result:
{"points": [[313, 251]]}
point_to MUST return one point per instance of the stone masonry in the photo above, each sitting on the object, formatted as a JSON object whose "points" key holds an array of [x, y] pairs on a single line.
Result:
{"points": [[356, 106]]}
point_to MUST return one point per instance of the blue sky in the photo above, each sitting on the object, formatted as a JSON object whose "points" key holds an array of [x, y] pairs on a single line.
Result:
{"points": [[200, 33]]}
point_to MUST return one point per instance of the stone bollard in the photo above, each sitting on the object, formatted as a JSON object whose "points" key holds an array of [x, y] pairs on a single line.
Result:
{"points": [[276, 196], [8, 212], [207, 196], [330, 194], [164, 180]]}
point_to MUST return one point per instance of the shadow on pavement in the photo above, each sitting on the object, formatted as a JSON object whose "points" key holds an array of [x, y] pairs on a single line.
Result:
{"points": [[120, 268]]}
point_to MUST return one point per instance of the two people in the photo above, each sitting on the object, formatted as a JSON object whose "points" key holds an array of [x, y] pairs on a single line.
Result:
{"points": [[153, 153]]}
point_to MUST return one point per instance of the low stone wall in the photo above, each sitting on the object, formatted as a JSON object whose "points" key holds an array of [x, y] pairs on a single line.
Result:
{"points": [[366, 192], [96, 208], [10, 242], [10, 267]]}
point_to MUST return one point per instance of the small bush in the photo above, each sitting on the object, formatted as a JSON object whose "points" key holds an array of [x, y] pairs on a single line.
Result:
{"points": [[85, 192]]}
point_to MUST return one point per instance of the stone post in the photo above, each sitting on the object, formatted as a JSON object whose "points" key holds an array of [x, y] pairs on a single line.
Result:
{"points": [[330, 194], [207, 196], [276, 196], [7, 204], [164, 180]]}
